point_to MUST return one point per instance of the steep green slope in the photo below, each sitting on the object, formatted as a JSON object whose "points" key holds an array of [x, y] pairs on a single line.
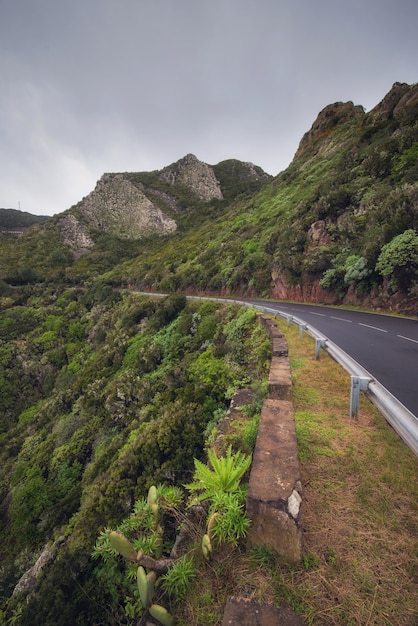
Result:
{"points": [[103, 393]]}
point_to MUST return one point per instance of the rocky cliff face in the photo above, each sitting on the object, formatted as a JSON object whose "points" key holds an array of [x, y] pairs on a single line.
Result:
{"points": [[116, 206], [311, 291], [195, 175], [75, 234], [401, 101], [131, 206], [330, 118], [119, 207]]}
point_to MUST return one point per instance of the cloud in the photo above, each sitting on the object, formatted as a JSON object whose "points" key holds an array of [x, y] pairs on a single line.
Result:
{"points": [[116, 85]]}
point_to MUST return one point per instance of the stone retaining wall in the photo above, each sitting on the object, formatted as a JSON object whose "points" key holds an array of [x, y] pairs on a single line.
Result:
{"points": [[274, 500]]}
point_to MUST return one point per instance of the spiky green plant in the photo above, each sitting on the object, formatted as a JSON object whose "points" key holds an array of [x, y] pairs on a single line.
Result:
{"points": [[178, 578], [143, 530], [230, 521], [225, 475]]}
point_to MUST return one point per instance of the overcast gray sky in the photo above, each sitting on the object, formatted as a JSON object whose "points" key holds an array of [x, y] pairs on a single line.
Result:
{"points": [[94, 86]]}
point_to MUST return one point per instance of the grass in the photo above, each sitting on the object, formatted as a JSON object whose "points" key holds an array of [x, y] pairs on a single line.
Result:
{"points": [[360, 502], [360, 516]]}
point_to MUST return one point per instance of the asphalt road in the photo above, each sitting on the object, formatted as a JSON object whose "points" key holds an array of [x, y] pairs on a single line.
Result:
{"points": [[386, 346]]}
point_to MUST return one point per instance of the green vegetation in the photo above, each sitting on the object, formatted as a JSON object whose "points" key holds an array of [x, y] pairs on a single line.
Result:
{"points": [[399, 259], [105, 393], [360, 519], [224, 475], [10, 219], [143, 537]]}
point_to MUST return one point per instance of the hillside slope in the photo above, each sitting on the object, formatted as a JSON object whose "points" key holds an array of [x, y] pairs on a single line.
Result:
{"points": [[13, 220]]}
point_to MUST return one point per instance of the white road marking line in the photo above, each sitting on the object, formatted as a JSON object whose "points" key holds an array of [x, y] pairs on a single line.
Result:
{"points": [[407, 338], [373, 327], [320, 314], [341, 319]]}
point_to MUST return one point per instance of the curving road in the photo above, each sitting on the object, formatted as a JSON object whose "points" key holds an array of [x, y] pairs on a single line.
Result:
{"points": [[386, 346]]}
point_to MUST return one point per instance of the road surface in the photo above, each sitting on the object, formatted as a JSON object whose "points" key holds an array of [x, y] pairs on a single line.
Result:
{"points": [[385, 345]]}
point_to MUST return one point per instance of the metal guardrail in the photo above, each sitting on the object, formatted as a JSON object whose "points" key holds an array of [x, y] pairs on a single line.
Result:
{"points": [[397, 415]]}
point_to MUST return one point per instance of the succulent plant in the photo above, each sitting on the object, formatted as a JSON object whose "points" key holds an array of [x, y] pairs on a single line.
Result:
{"points": [[161, 614], [121, 544]]}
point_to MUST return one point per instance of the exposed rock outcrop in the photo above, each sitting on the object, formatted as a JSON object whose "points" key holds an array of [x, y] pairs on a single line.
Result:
{"points": [[75, 234], [311, 291], [28, 581], [195, 175], [331, 117], [118, 206], [400, 100]]}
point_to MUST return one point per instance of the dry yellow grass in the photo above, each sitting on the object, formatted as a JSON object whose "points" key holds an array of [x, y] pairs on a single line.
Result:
{"points": [[360, 513]]}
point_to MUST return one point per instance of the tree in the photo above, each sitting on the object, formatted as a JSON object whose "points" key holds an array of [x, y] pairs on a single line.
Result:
{"points": [[399, 260]]}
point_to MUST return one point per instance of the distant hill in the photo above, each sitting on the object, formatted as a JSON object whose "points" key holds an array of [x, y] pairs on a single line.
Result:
{"points": [[11, 219]]}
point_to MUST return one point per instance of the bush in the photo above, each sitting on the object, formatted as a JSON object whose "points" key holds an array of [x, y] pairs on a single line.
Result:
{"points": [[399, 260], [356, 269]]}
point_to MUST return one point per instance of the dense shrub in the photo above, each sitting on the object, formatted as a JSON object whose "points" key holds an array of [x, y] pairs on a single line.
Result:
{"points": [[399, 260]]}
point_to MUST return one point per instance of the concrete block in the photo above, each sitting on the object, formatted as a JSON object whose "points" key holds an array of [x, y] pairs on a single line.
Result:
{"points": [[280, 379], [279, 345], [275, 490]]}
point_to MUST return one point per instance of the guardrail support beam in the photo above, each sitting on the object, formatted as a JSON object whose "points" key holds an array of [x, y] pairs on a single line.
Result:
{"points": [[358, 384], [301, 329], [320, 342]]}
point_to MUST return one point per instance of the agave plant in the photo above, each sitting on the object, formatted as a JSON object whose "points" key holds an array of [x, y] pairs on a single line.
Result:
{"points": [[224, 475]]}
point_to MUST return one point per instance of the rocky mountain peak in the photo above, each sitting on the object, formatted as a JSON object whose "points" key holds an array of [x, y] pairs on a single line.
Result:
{"points": [[330, 118], [118, 206], [400, 102], [195, 175]]}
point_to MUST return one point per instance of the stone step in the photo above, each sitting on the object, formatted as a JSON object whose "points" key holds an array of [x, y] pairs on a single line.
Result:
{"points": [[242, 612]]}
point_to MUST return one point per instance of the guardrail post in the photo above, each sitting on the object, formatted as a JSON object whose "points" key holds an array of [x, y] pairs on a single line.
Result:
{"points": [[301, 329], [289, 320], [358, 384], [320, 342]]}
